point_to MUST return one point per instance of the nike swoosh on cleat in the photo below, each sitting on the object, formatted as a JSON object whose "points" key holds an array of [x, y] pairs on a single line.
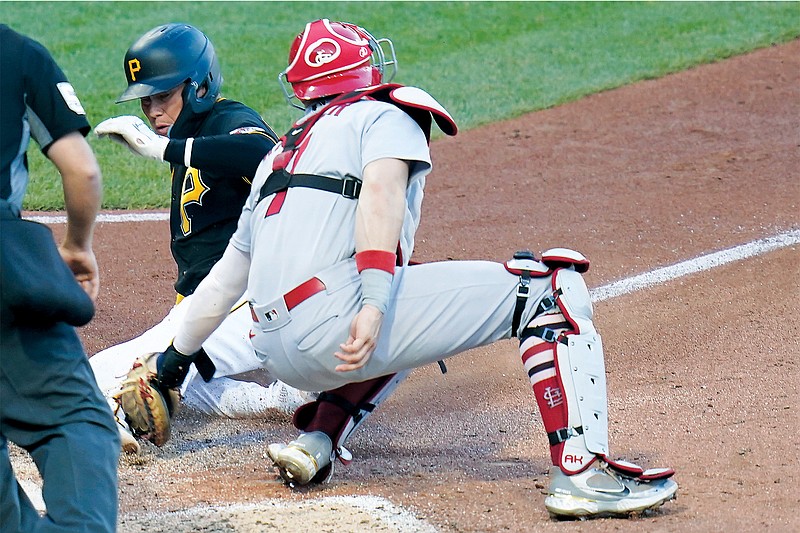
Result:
{"points": [[625, 492]]}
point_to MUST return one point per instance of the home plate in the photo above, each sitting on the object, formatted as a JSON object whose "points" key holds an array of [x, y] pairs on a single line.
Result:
{"points": [[338, 514]]}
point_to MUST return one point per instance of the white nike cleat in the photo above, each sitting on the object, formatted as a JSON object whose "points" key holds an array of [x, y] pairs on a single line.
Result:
{"points": [[301, 459], [601, 492]]}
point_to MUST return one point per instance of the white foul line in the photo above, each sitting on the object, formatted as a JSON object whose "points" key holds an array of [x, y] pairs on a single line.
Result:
{"points": [[120, 217], [691, 266]]}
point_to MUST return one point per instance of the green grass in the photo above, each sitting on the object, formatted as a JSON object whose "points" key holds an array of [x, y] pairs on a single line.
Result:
{"points": [[484, 61]]}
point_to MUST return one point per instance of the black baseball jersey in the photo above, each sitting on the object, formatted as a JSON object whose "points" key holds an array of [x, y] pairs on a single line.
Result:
{"points": [[36, 100], [207, 197]]}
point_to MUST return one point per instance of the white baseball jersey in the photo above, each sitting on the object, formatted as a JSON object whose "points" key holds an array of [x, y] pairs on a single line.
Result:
{"points": [[294, 250], [293, 247], [435, 310]]}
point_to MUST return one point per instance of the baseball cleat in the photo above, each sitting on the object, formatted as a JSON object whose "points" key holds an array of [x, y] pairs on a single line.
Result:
{"points": [[599, 492], [301, 459]]}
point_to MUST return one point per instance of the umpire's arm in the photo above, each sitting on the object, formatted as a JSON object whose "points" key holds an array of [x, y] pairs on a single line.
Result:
{"points": [[82, 182]]}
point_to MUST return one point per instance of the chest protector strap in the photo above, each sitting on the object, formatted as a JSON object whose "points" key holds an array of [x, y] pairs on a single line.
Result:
{"points": [[418, 104], [280, 180]]}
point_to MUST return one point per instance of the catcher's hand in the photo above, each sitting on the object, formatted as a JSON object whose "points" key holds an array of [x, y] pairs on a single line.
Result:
{"points": [[149, 407], [173, 367]]}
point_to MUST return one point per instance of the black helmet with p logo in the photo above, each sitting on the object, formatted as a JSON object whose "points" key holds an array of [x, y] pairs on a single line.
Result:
{"points": [[167, 56]]}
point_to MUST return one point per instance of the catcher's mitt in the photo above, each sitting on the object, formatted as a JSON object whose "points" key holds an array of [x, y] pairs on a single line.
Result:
{"points": [[148, 408]]}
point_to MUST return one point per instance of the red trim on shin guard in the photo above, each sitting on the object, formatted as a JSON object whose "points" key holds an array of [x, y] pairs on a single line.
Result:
{"points": [[538, 357], [540, 361]]}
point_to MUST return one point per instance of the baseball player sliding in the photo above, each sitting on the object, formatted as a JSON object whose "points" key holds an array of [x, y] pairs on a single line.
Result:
{"points": [[322, 249], [213, 146]]}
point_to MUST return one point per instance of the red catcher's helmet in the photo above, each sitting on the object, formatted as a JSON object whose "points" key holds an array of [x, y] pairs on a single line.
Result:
{"points": [[330, 58]]}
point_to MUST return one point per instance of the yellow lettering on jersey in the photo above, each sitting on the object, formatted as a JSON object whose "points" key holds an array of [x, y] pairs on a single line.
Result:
{"points": [[133, 67], [191, 193]]}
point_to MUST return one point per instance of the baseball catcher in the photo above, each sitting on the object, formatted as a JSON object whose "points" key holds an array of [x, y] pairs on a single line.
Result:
{"points": [[323, 246]]}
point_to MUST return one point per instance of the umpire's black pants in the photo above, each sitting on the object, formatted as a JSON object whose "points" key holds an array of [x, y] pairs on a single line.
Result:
{"points": [[50, 406]]}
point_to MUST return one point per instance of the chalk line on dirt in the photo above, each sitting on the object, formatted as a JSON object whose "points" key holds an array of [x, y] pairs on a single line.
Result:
{"points": [[103, 217], [692, 266], [604, 292]]}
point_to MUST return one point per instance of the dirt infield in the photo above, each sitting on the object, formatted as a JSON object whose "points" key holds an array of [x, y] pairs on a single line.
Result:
{"points": [[703, 370]]}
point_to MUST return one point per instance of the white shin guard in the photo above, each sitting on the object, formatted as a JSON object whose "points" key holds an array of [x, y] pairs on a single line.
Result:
{"points": [[581, 364], [563, 354]]}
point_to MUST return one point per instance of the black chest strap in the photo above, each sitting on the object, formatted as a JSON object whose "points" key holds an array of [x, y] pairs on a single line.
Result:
{"points": [[280, 180], [349, 186]]}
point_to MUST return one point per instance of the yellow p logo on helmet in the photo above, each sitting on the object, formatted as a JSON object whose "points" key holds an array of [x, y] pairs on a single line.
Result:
{"points": [[133, 67]]}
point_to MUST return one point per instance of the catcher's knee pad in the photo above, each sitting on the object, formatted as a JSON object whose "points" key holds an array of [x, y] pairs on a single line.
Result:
{"points": [[355, 402], [525, 265], [563, 354]]}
